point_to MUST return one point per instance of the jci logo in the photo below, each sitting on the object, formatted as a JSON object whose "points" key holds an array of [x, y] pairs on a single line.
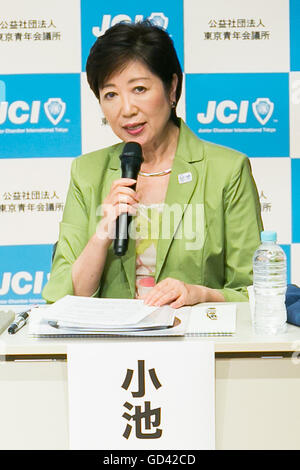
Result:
{"points": [[20, 112], [22, 282], [229, 111], [158, 19]]}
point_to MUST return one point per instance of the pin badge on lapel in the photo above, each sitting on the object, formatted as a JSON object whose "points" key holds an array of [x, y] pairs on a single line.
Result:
{"points": [[185, 177]]}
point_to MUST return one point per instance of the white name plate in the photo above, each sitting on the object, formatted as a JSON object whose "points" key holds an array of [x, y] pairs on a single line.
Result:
{"points": [[135, 395]]}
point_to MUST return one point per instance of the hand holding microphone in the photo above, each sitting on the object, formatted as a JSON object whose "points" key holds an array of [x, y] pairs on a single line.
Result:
{"points": [[118, 206], [131, 160]]}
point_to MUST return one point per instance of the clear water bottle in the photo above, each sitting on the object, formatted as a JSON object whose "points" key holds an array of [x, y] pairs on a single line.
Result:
{"points": [[269, 283]]}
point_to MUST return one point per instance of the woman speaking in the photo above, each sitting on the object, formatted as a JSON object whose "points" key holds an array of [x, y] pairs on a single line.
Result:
{"points": [[194, 205]]}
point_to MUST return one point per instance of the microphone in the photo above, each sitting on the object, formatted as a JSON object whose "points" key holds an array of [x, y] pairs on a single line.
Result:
{"points": [[131, 160]]}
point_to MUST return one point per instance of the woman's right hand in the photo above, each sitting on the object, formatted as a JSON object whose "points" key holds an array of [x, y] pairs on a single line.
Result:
{"points": [[121, 198]]}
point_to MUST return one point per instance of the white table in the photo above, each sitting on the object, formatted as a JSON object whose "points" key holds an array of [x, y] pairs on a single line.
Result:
{"points": [[257, 388]]}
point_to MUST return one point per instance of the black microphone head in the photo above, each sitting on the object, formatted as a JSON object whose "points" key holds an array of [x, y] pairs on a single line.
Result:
{"points": [[131, 160], [132, 149]]}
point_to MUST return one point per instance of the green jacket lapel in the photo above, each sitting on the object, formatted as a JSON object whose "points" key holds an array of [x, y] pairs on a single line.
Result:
{"points": [[179, 193]]}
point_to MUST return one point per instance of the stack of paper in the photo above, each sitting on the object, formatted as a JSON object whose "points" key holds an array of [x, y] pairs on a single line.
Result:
{"points": [[78, 316]]}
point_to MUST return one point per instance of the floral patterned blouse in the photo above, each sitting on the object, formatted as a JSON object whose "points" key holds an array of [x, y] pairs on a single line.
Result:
{"points": [[146, 226]]}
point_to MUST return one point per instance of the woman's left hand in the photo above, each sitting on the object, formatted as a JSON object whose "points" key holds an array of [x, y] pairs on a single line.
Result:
{"points": [[175, 293]]}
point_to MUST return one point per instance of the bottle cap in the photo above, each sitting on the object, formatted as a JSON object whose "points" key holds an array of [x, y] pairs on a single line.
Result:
{"points": [[268, 236]]}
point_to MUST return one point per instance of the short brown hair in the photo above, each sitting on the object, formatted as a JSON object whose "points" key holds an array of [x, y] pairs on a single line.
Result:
{"points": [[134, 41]]}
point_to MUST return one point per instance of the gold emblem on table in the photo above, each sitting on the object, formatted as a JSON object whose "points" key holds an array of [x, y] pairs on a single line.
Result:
{"points": [[211, 313]]}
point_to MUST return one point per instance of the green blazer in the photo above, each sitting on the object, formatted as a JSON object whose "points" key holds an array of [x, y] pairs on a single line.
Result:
{"points": [[210, 241]]}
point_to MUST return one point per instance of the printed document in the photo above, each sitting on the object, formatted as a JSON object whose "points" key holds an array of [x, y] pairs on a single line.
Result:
{"points": [[74, 315]]}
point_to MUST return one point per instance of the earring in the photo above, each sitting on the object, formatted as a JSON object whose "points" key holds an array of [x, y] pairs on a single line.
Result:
{"points": [[104, 121], [173, 104]]}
